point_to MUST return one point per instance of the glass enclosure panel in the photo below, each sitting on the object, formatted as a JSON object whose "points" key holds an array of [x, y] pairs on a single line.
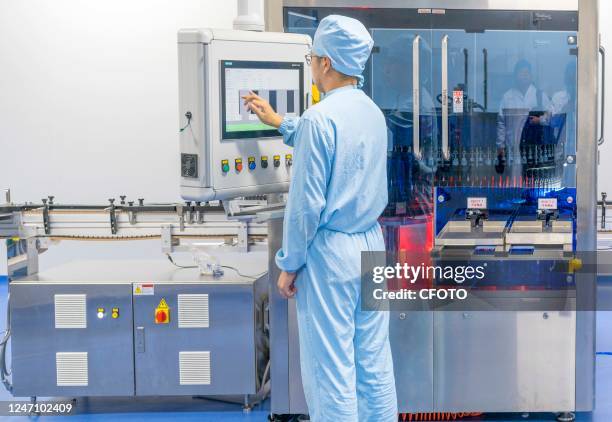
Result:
{"points": [[514, 124], [411, 165], [509, 122]]}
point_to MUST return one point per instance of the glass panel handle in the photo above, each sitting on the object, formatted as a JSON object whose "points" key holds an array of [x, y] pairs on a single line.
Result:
{"points": [[416, 100], [602, 51], [445, 148]]}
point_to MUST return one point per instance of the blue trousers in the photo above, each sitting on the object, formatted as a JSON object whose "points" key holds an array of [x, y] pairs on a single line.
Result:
{"points": [[346, 363]]}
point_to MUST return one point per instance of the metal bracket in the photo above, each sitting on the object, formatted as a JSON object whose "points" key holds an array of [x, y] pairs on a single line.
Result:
{"points": [[131, 213], [46, 222], [166, 238], [113, 216], [243, 236], [181, 215]]}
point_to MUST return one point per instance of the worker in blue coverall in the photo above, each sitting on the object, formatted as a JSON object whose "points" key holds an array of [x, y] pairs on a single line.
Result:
{"points": [[338, 191]]}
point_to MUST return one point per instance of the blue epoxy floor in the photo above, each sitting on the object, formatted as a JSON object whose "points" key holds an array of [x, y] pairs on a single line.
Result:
{"points": [[187, 409]]}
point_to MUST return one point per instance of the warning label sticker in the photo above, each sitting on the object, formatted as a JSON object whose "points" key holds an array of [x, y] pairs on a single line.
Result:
{"points": [[547, 204], [162, 304], [457, 101], [143, 289], [477, 203]]}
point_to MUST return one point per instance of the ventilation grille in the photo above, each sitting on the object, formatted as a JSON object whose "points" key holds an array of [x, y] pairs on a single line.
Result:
{"points": [[193, 311], [194, 368], [71, 369], [70, 311]]}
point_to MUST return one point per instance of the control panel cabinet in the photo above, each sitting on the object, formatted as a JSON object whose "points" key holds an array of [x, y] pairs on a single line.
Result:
{"points": [[225, 151]]}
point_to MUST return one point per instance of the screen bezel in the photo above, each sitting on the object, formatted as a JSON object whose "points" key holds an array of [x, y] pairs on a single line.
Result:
{"points": [[246, 64]]}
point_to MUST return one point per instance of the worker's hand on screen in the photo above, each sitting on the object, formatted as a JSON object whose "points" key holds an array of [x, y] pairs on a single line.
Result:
{"points": [[262, 109], [286, 284]]}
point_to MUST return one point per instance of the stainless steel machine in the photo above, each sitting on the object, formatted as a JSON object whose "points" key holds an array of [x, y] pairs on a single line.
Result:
{"points": [[491, 108], [478, 170], [138, 328]]}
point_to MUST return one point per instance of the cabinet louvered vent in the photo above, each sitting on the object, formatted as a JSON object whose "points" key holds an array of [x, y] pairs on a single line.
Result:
{"points": [[194, 368], [193, 311], [72, 369], [70, 311]]}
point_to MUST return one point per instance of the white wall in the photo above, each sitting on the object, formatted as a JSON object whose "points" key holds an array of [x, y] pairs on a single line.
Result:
{"points": [[89, 96], [605, 167], [89, 103]]}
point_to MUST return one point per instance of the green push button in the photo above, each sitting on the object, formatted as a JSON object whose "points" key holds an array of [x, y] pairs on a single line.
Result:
{"points": [[225, 166]]}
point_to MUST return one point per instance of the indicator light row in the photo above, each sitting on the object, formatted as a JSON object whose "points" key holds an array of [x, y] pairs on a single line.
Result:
{"points": [[252, 163]]}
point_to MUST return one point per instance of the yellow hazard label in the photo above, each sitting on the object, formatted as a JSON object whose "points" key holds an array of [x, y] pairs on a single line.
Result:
{"points": [[316, 95], [138, 290], [162, 304]]}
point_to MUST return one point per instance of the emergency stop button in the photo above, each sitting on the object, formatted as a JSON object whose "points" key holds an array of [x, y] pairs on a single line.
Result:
{"points": [[161, 316], [162, 312]]}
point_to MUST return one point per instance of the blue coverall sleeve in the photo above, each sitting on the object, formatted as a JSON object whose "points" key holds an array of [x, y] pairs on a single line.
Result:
{"points": [[313, 157], [287, 129]]}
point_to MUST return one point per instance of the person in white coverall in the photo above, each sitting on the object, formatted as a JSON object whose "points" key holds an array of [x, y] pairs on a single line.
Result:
{"points": [[338, 191]]}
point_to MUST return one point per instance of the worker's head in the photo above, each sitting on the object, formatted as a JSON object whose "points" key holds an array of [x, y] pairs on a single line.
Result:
{"points": [[523, 75], [340, 50]]}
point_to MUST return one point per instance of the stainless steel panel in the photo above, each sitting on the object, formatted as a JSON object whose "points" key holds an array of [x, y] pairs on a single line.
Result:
{"points": [[442, 4], [107, 342], [588, 77], [229, 340], [411, 336], [286, 378], [504, 361], [297, 400]]}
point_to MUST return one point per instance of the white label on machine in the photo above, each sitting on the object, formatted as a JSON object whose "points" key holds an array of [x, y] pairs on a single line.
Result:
{"points": [[477, 203], [144, 289], [547, 204], [457, 101]]}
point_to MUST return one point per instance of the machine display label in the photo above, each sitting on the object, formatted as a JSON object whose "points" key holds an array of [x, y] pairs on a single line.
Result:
{"points": [[477, 203], [457, 101], [547, 204], [143, 289]]}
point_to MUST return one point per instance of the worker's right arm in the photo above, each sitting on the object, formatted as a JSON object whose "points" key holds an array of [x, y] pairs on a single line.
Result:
{"points": [[287, 129], [310, 176]]}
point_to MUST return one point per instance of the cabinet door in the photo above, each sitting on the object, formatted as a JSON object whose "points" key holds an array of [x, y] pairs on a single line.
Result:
{"points": [[65, 341], [411, 336], [206, 347], [495, 361]]}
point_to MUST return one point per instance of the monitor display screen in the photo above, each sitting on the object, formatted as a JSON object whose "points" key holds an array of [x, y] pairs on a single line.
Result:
{"points": [[279, 83]]}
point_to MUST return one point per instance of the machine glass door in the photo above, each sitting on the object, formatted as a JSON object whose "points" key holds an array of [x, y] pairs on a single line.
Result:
{"points": [[402, 86], [510, 118]]}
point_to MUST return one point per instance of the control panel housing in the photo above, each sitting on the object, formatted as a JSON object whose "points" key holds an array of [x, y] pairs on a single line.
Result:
{"points": [[217, 162]]}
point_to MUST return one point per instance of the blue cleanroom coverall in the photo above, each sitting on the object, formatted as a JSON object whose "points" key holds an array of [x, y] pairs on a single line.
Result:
{"points": [[338, 191]]}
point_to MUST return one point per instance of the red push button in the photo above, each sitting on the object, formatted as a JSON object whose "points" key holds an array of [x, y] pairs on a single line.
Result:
{"points": [[161, 316], [238, 165]]}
